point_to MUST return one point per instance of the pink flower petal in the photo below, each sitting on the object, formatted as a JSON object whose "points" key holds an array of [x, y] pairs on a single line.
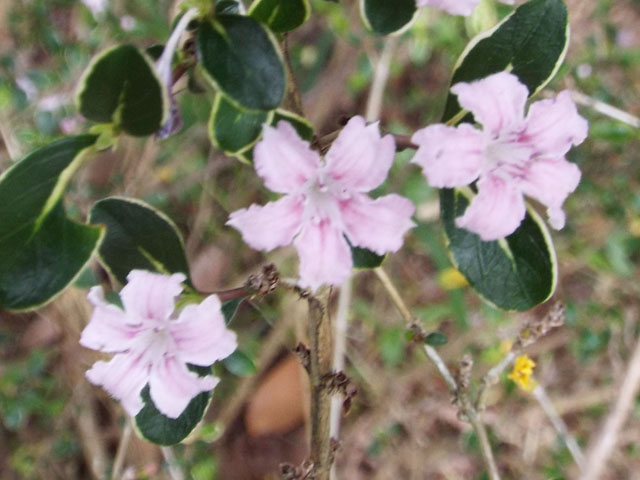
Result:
{"points": [[449, 156], [109, 329], [496, 211], [269, 226], [550, 181], [283, 160], [172, 386], [496, 101], [454, 7], [123, 377], [325, 257], [554, 125], [149, 295], [359, 158], [200, 334], [378, 225]]}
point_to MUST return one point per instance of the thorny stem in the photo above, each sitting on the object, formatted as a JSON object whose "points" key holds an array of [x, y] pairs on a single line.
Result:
{"points": [[319, 367], [465, 403]]}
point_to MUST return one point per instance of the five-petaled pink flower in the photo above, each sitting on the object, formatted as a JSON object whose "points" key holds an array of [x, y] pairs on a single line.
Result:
{"points": [[511, 156], [455, 7], [325, 200], [153, 348]]}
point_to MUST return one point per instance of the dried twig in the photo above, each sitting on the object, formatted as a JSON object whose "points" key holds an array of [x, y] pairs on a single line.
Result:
{"points": [[530, 333], [459, 387], [604, 441]]}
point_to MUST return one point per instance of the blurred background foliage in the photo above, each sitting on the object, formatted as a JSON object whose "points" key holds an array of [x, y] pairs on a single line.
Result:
{"points": [[54, 425]]}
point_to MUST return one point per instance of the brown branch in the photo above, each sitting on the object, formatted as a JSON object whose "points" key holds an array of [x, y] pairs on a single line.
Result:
{"points": [[319, 368]]}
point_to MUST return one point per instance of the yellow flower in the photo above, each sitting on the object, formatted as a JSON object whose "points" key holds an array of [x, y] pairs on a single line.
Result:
{"points": [[522, 371], [451, 279]]}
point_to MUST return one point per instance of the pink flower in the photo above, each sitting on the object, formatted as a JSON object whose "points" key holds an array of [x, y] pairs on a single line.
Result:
{"points": [[151, 347], [455, 7], [511, 156], [325, 200]]}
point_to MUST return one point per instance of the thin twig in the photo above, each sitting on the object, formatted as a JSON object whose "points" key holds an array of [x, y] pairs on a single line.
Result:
{"points": [[483, 440], [605, 440], [293, 93], [491, 378], [409, 320], [340, 347], [462, 395], [122, 450], [540, 394], [605, 109], [175, 472], [380, 77]]}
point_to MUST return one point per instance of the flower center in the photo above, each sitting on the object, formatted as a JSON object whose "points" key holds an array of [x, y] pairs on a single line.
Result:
{"points": [[322, 199], [508, 157]]}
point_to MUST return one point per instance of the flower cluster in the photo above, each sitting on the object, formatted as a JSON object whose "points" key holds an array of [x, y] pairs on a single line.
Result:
{"points": [[153, 348], [325, 208], [510, 157]]}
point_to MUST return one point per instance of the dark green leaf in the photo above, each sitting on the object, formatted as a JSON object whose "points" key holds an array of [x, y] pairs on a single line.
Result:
{"points": [[232, 129], [227, 6], [121, 86], [363, 258], [47, 262], [281, 15], [138, 237], [229, 309], [300, 124], [29, 192], [160, 429], [515, 273], [240, 364], [531, 43], [243, 60], [384, 16], [436, 339]]}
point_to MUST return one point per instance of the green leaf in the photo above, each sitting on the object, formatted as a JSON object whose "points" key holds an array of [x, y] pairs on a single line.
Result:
{"points": [[229, 309], [384, 16], [531, 43], [240, 364], [47, 262], [436, 339], [300, 124], [281, 15], [227, 6], [363, 258], [121, 86], [138, 237], [242, 59], [158, 428], [30, 192], [514, 273], [518, 272], [234, 130]]}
